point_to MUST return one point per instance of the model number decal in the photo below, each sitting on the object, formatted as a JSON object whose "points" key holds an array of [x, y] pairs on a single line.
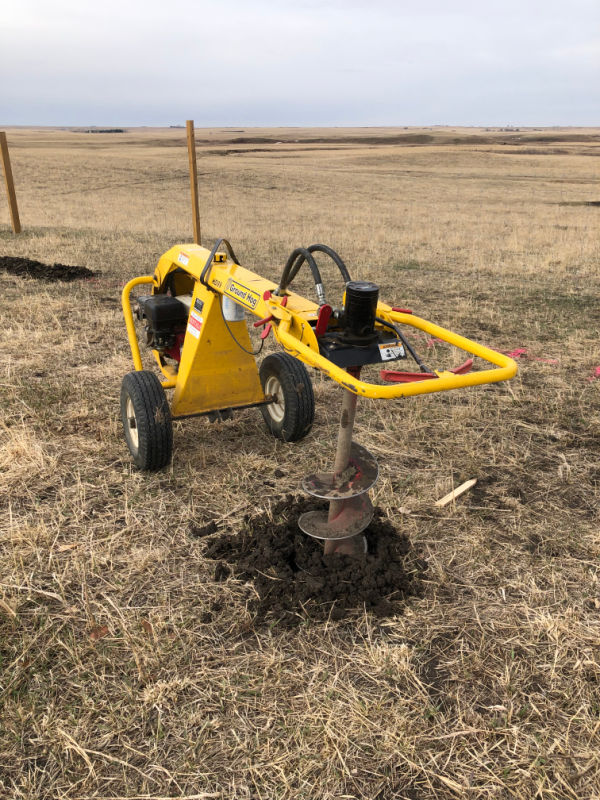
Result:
{"points": [[241, 294]]}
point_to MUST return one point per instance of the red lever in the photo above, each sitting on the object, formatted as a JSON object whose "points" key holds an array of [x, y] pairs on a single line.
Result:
{"points": [[325, 313], [402, 310], [464, 368], [265, 320], [393, 376]]}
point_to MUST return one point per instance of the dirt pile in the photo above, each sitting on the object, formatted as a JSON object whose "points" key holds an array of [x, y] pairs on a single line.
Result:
{"points": [[294, 580], [26, 267]]}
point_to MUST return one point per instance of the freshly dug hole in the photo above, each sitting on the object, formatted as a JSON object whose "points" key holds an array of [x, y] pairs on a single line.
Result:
{"points": [[294, 580]]}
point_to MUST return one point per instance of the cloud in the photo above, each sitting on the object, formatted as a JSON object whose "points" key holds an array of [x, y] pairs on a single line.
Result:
{"points": [[269, 62]]}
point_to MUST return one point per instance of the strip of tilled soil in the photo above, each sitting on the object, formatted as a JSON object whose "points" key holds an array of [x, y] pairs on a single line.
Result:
{"points": [[26, 267], [294, 580]]}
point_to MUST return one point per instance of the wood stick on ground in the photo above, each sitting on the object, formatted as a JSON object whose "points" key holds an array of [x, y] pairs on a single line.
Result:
{"points": [[448, 498]]}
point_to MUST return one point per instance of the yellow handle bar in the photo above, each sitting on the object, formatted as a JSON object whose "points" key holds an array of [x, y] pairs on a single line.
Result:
{"points": [[127, 313], [444, 382]]}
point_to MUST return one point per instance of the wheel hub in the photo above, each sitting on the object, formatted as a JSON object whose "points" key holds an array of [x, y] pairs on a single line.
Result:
{"points": [[277, 406], [132, 423]]}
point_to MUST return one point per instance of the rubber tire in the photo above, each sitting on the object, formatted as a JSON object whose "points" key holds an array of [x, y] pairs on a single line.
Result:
{"points": [[296, 393], [154, 445]]}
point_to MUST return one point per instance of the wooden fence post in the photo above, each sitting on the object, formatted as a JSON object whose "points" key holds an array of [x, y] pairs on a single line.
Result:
{"points": [[191, 142], [10, 184]]}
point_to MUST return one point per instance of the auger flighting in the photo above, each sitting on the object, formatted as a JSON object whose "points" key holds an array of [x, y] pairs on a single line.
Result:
{"points": [[355, 469]]}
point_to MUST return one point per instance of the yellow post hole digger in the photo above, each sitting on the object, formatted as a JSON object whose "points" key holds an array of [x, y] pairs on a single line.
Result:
{"points": [[195, 323]]}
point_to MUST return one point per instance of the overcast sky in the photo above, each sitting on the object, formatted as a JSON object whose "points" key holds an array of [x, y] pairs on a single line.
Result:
{"points": [[278, 62]]}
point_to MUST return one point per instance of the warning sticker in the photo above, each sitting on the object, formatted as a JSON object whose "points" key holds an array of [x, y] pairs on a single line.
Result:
{"points": [[391, 350], [183, 259], [195, 324]]}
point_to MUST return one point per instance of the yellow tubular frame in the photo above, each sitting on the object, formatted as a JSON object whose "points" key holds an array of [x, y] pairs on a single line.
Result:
{"points": [[129, 323], [443, 383], [292, 329]]}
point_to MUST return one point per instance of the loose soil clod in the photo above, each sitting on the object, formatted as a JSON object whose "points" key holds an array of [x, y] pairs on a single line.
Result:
{"points": [[26, 267], [294, 580], [199, 531]]}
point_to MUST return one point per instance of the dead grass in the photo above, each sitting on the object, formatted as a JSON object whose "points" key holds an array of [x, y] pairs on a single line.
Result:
{"points": [[126, 670]]}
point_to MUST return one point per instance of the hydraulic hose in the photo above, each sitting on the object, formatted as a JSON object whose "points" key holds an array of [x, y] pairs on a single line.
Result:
{"points": [[323, 248], [293, 264], [302, 254]]}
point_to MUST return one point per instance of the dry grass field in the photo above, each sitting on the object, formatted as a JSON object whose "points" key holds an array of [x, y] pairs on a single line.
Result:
{"points": [[128, 667]]}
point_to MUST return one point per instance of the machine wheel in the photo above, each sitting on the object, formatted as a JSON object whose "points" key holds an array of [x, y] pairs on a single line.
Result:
{"points": [[290, 416], [146, 420]]}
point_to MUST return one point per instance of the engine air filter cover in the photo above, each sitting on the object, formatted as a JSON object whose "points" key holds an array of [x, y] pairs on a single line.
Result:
{"points": [[163, 311]]}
